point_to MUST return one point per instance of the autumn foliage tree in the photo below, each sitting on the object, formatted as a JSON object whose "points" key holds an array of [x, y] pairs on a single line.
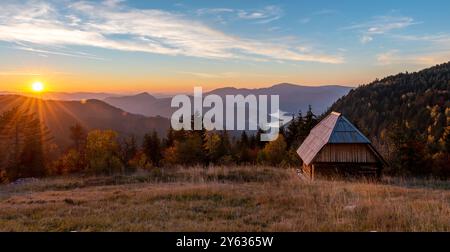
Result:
{"points": [[102, 152], [274, 152]]}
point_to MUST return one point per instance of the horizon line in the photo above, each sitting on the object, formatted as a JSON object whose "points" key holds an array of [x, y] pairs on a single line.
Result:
{"points": [[136, 92]]}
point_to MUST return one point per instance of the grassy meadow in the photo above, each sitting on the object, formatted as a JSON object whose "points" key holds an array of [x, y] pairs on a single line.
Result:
{"points": [[223, 199]]}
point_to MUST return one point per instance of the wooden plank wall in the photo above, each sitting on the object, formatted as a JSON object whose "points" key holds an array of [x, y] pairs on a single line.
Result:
{"points": [[336, 170], [346, 153]]}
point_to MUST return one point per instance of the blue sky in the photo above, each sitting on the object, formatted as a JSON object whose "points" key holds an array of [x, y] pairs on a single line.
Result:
{"points": [[170, 46]]}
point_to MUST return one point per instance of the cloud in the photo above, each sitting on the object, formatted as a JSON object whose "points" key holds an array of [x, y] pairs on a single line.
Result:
{"points": [[324, 12], [113, 3], [211, 75], [15, 73], [429, 49], [259, 16], [387, 58], [139, 30], [384, 24], [315, 14], [262, 16], [432, 58], [221, 15], [214, 11], [380, 25], [438, 39], [19, 72], [44, 52], [305, 20], [395, 57], [366, 39]]}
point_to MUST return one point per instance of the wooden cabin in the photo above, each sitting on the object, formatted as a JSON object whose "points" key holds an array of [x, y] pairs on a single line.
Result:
{"points": [[335, 147]]}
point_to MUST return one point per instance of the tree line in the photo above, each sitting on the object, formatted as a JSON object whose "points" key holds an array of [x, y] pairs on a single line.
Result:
{"points": [[28, 149]]}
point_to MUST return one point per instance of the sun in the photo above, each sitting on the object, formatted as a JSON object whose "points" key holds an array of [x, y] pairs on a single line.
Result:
{"points": [[37, 87]]}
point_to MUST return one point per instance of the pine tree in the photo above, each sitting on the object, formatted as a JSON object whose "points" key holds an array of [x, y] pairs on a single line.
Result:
{"points": [[243, 149], [152, 148], [299, 128], [27, 139], [260, 144], [244, 142], [253, 142], [190, 151], [293, 130], [170, 138], [174, 135], [32, 162], [310, 119], [78, 136], [128, 150], [409, 151]]}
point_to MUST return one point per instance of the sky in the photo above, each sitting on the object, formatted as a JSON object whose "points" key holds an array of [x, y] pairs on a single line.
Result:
{"points": [[165, 46]]}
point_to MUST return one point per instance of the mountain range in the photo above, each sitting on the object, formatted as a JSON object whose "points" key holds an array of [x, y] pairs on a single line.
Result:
{"points": [[74, 96], [142, 113], [292, 99]]}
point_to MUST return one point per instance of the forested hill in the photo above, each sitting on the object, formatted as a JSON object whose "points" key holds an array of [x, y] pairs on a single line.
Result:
{"points": [[416, 105], [59, 116]]}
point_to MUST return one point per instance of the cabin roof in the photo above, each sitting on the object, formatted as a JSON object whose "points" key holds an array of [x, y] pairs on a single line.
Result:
{"points": [[345, 132], [334, 129]]}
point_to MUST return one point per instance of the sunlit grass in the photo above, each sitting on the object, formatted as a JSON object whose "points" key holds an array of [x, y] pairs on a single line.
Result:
{"points": [[222, 199]]}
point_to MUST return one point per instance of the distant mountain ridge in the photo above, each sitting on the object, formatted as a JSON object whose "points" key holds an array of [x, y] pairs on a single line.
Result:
{"points": [[75, 96], [292, 98], [137, 104], [63, 96]]}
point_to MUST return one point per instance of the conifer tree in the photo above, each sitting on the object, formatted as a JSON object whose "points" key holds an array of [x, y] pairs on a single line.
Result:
{"points": [[152, 148], [27, 139]]}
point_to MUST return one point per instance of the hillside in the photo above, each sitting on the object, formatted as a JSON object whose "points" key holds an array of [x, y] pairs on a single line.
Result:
{"points": [[292, 98], [421, 99], [59, 116], [407, 111]]}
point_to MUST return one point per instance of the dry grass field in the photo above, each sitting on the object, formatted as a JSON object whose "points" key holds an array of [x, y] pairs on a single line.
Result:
{"points": [[223, 199]]}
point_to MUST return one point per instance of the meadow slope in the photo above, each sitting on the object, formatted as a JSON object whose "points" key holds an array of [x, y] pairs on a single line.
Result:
{"points": [[223, 199]]}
